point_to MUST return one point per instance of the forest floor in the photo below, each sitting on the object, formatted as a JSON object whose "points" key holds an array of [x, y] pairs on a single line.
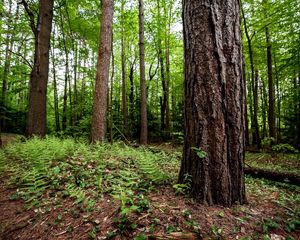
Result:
{"points": [[62, 189]]}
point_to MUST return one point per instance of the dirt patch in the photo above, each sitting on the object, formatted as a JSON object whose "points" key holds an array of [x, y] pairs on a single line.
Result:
{"points": [[169, 217]]}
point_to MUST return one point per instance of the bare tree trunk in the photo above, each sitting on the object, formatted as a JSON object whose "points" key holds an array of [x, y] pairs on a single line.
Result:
{"points": [[56, 108], [271, 112], [100, 101], [111, 119], [256, 138], [8, 50], [254, 88], [37, 117], [213, 157], [247, 140], [124, 87], [144, 124]]}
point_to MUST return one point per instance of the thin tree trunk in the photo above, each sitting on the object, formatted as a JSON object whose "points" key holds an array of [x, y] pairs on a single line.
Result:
{"points": [[256, 138], [254, 87], [37, 117], [111, 119], [9, 42], [168, 65], [264, 107], [55, 96], [247, 140], [278, 128], [213, 157], [144, 124], [124, 87], [271, 112], [162, 71], [100, 101]]}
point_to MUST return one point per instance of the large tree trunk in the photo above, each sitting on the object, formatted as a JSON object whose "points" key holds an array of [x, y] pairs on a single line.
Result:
{"points": [[37, 117], [213, 157], [144, 130], [271, 112], [100, 96]]}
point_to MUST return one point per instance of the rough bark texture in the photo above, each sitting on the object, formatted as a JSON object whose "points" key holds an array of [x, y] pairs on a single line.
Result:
{"points": [[214, 102], [100, 96], [271, 112], [37, 117], [144, 130]]}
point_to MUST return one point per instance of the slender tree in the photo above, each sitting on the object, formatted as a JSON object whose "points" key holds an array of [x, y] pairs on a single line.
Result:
{"points": [[271, 111], [100, 95], [124, 85], [144, 130], [37, 117], [213, 154]]}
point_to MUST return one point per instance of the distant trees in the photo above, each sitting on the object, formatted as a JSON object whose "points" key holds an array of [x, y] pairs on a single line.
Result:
{"points": [[213, 154], [100, 96], [146, 96], [41, 28]]}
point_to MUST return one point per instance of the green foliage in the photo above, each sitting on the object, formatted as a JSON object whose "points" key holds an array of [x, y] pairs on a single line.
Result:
{"points": [[183, 188], [284, 148], [200, 153]]}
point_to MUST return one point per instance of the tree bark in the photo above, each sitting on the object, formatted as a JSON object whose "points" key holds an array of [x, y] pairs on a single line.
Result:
{"points": [[214, 102], [100, 100], [37, 117], [144, 124]]}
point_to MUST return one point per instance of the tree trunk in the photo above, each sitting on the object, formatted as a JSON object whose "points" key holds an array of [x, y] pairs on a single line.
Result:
{"points": [[111, 119], [131, 95], [247, 140], [264, 106], [213, 157], [100, 101], [56, 108], [254, 87], [124, 87], [144, 130], [168, 65], [37, 117], [256, 138], [271, 112], [8, 50]]}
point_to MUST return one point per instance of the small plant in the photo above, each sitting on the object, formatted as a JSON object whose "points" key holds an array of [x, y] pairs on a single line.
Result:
{"points": [[269, 224], [183, 188], [200, 153]]}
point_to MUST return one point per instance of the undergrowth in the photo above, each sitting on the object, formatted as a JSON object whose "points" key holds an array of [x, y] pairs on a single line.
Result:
{"points": [[63, 167]]}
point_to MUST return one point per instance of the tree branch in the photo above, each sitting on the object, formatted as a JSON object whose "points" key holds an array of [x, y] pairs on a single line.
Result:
{"points": [[24, 59], [31, 17]]}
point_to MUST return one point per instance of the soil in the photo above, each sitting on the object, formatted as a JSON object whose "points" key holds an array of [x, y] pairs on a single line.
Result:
{"points": [[171, 217]]}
